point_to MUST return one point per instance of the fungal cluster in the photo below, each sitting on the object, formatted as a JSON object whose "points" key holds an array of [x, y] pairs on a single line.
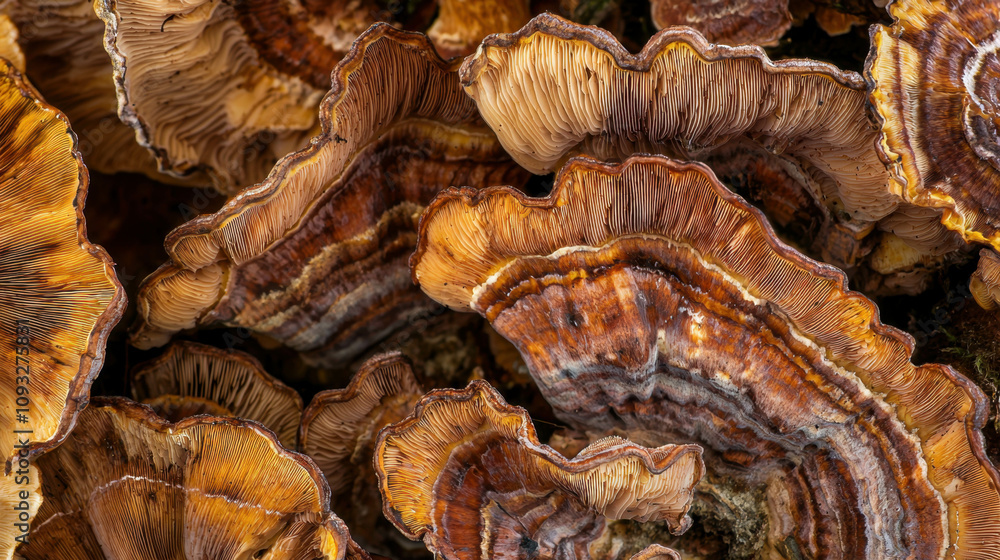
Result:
{"points": [[554, 286]]}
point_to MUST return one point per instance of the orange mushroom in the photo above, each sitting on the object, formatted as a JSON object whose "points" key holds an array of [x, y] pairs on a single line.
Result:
{"points": [[127, 484], [59, 295]]}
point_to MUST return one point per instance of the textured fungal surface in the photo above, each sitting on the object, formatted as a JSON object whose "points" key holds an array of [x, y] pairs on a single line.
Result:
{"points": [[797, 127], [339, 429], [985, 282], [191, 378], [934, 77], [128, 484], [760, 22], [59, 296], [315, 256], [467, 474], [645, 297]]}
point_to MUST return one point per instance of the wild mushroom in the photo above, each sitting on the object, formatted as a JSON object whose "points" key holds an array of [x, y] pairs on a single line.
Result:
{"points": [[339, 429], [59, 295], [315, 256], [758, 22], [577, 90], [63, 55], [227, 88], [645, 297], [985, 282], [128, 484], [467, 474], [191, 378], [932, 78]]}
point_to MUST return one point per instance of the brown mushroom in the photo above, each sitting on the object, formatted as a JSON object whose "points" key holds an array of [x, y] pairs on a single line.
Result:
{"points": [[646, 297], [128, 484], [315, 256], [20, 502], [227, 88], [933, 83], [64, 56], [577, 90], [339, 429], [759, 22], [467, 474], [191, 378], [9, 48], [59, 295]]}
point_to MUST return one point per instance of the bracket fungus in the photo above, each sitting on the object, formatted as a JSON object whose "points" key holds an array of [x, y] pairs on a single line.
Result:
{"points": [[62, 44], [467, 474], [797, 122], [128, 484], [227, 88], [339, 429], [933, 80], [59, 295], [191, 378], [646, 297], [760, 22], [315, 256]]}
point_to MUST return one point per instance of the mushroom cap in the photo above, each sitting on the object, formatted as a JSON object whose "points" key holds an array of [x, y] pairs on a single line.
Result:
{"points": [[338, 432], [194, 84], [932, 78], [467, 462], [759, 22], [985, 281], [128, 484], [59, 295], [234, 381], [461, 24], [64, 56], [647, 297], [9, 47], [21, 500], [315, 257], [578, 91]]}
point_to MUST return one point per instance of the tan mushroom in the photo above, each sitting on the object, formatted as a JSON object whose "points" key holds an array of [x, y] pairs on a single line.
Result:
{"points": [[339, 429], [191, 378], [467, 474]]}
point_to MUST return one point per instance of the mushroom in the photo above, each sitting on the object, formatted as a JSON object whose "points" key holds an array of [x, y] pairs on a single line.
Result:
{"points": [[20, 505], [128, 484], [315, 256], [985, 282], [227, 88], [932, 78], [759, 22], [63, 55], [645, 297], [59, 295], [576, 89], [191, 378], [338, 432], [467, 474], [9, 47]]}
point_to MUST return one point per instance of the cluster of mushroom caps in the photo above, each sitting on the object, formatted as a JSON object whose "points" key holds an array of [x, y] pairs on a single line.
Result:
{"points": [[699, 362]]}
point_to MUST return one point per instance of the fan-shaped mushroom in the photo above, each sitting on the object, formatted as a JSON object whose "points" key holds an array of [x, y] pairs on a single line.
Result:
{"points": [[191, 378], [59, 295], [467, 474], [646, 297], [759, 22], [64, 56], [315, 256], [339, 429], [934, 87], [127, 484], [803, 123]]}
